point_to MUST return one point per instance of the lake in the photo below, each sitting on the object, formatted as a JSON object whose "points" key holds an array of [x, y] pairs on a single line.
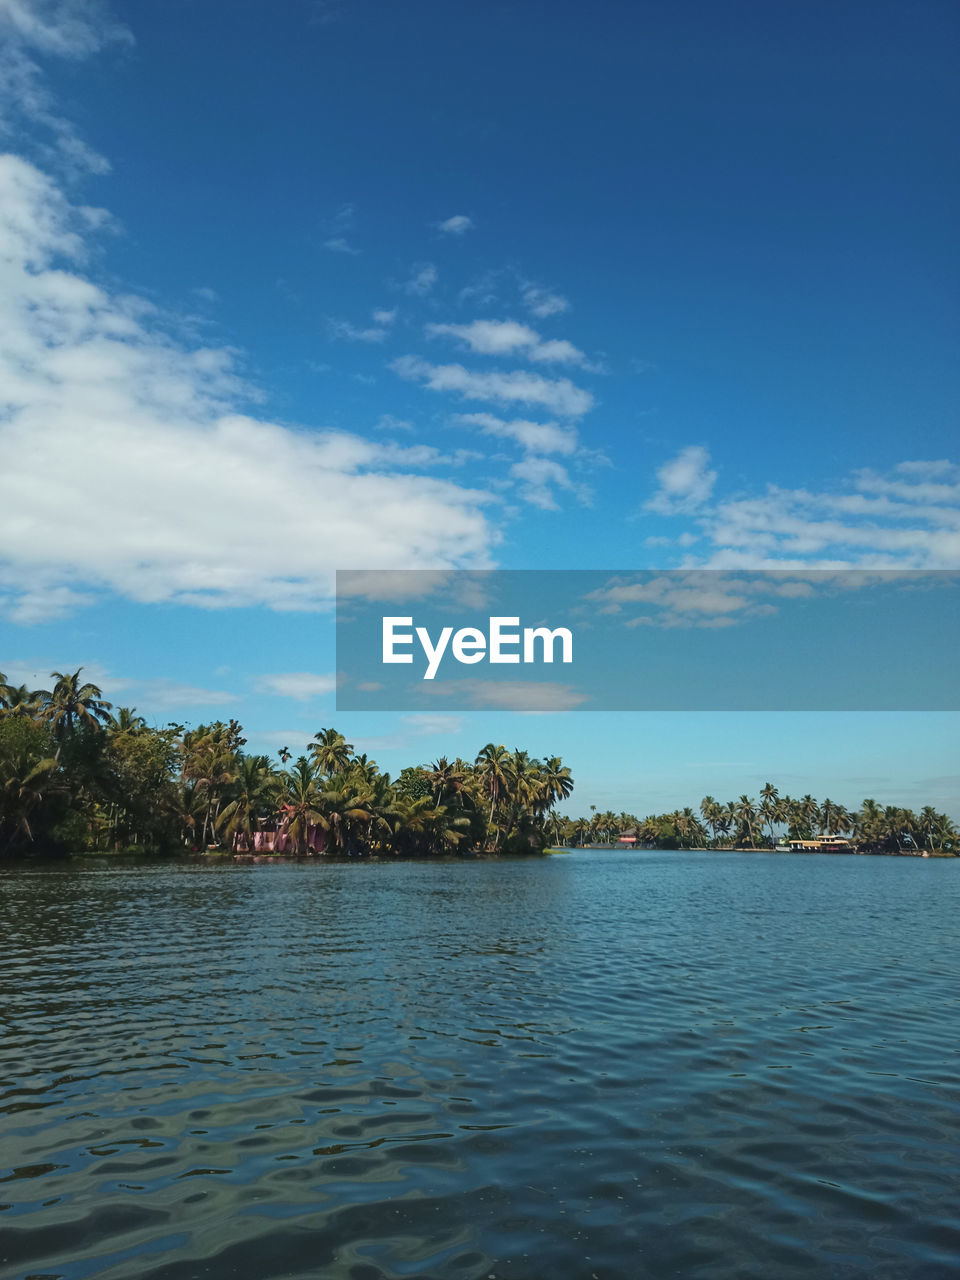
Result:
{"points": [[593, 1065]]}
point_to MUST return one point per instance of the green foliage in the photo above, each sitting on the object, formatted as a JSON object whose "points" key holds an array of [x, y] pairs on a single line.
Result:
{"points": [[744, 823], [77, 776], [413, 782]]}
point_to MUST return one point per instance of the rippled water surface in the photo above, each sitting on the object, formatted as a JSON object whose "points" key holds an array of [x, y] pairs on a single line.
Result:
{"points": [[591, 1065]]}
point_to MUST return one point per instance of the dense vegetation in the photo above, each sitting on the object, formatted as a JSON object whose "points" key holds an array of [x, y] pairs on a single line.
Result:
{"points": [[745, 823], [75, 775]]}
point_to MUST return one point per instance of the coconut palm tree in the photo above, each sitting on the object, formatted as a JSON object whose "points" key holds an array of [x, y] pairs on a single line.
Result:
{"points": [[18, 699], [745, 814], [834, 819], [256, 785], [773, 808], [808, 812], [72, 703], [688, 827], [364, 768], [25, 781], [523, 788], [556, 783], [445, 778], [492, 764], [715, 816], [125, 721], [301, 804], [868, 825], [209, 767], [648, 832], [331, 752]]}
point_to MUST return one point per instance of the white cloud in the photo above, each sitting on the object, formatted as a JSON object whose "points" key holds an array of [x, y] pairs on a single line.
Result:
{"points": [[32, 606], [535, 437], [483, 291], [344, 329], [792, 527], [557, 395], [509, 337], [387, 422], [686, 482], [162, 694], [457, 225], [154, 485], [70, 29], [542, 303], [382, 317], [537, 478], [509, 695], [300, 685], [64, 28], [711, 598], [340, 244], [154, 693], [419, 724], [906, 518], [425, 276], [427, 724]]}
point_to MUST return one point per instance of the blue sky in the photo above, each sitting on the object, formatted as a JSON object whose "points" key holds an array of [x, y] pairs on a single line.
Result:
{"points": [[296, 288]]}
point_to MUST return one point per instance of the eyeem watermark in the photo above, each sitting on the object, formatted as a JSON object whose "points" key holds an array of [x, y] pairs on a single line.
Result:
{"points": [[503, 642], [648, 640]]}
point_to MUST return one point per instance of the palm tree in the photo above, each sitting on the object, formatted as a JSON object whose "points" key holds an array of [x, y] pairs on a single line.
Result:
{"points": [[492, 764], [351, 815], [364, 768], [715, 816], [523, 788], [581, 829], [809, 813], [868, 824], [934, 829], [648, 832], [301, 804], [688, 827], [773, 808], [72, 703], [745, 813], [559, 828], [445, 778], [18, 700], [125, 721], [418, 826], [331, 752], [209, 764], [257, 790], [834, 819], [944, 834], [557, 784], [24, 782]]}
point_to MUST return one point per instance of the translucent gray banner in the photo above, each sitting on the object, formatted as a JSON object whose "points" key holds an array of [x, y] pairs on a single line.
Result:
{"points": [[648, 640]]}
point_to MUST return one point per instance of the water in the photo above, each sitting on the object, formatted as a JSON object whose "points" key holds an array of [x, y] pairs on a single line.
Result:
{"points": [[591, 1065]]}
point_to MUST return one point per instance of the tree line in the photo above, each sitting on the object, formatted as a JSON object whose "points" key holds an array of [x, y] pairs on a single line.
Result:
{"points": [[78, 775], [753, 824]]}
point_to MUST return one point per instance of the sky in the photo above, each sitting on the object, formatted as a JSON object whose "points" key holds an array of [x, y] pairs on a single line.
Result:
{"points": [[291, 289]]}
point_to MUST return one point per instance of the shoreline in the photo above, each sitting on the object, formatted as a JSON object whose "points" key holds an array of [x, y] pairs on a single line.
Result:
{"points": [[126, 858]]}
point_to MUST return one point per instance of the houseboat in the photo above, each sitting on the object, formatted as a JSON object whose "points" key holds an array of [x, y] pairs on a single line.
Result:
{"points": [[823, 844]]}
